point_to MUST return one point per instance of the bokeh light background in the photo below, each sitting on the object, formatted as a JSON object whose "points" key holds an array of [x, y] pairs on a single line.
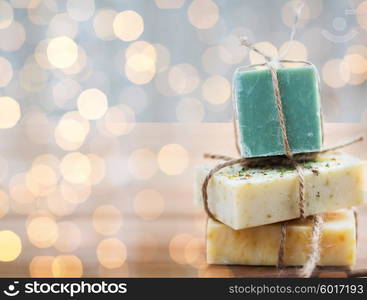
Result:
{"points": [[86, 182]]}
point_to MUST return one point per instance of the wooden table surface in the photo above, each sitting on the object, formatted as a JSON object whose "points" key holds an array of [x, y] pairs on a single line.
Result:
{"points": [[169, 244]]}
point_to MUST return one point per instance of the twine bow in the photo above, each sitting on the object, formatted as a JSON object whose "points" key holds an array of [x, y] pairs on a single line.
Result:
{"points": [[273, 63]]}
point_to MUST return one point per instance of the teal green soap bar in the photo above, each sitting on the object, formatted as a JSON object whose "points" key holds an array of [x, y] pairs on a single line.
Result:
{"points": [[257, 118]]}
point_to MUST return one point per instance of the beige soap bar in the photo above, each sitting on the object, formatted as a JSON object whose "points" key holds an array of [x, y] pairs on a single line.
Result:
{"points": [[260, 245], [242, 198]]}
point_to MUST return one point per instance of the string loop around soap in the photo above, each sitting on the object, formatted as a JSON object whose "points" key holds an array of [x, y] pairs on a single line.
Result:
{"points": [[272, 63]]}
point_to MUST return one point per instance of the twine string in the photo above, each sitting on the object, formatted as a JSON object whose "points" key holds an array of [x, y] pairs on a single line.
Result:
{"points": [[251, 162], [273, 63], [204, 187], [299, 157], [314, 254], [287, 148], [281, 251]]}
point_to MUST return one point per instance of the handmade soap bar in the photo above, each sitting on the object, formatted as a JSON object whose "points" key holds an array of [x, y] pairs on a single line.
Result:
{"points": [[241, 197], [260, 245], [257, 118]]}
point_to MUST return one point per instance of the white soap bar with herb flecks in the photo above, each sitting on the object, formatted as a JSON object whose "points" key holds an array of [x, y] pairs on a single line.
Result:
{"points": [[241, 197], [260, 245]]}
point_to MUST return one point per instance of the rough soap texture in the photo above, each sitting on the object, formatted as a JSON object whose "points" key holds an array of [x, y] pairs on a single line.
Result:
{"points": [[258, 124], [242, 198], [260, 245]]}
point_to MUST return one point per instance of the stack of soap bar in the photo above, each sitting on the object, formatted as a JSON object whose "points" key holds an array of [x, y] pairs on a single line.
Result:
{"points": [[260, 245], [241, 197], [257, 117]]}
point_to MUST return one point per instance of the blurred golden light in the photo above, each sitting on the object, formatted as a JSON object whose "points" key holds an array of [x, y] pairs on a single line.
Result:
{"points": [[183, 78], [356, 63], [64, 91], [70, 134], [69, 238], [138, 77], [173, 159], [289, 10], [75, 167], [39, 213], [9, 112], [78, 65], [49, 160], [42, 231], [142, 48], [265, 47], [128, 25], [336, 73], [80, 10], [140, 63], [10, 245], [6, 71], [177, 247], [19, 191], [65, 266], [163, 57], [169, 4], [293, 50], [119, 120], [59, 205], [62, 25], [42, 12], [190, 110], [71, 131], [41, 266], [361, 13], [142, 163], [107, 219], [41, 180], [231, 52], [92, 104], [203, 14], [6, 14], [4, 203], [148, 204], [32, 78], [356, 79], [75, 193], [103, 24], [40, 55], [195, 252], [98, 168], [62, 52], [12, 37], [216, 90], [111, 253]]}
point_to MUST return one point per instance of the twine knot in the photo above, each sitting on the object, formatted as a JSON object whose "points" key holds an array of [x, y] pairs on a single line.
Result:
{"points": [[274, 63]]}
